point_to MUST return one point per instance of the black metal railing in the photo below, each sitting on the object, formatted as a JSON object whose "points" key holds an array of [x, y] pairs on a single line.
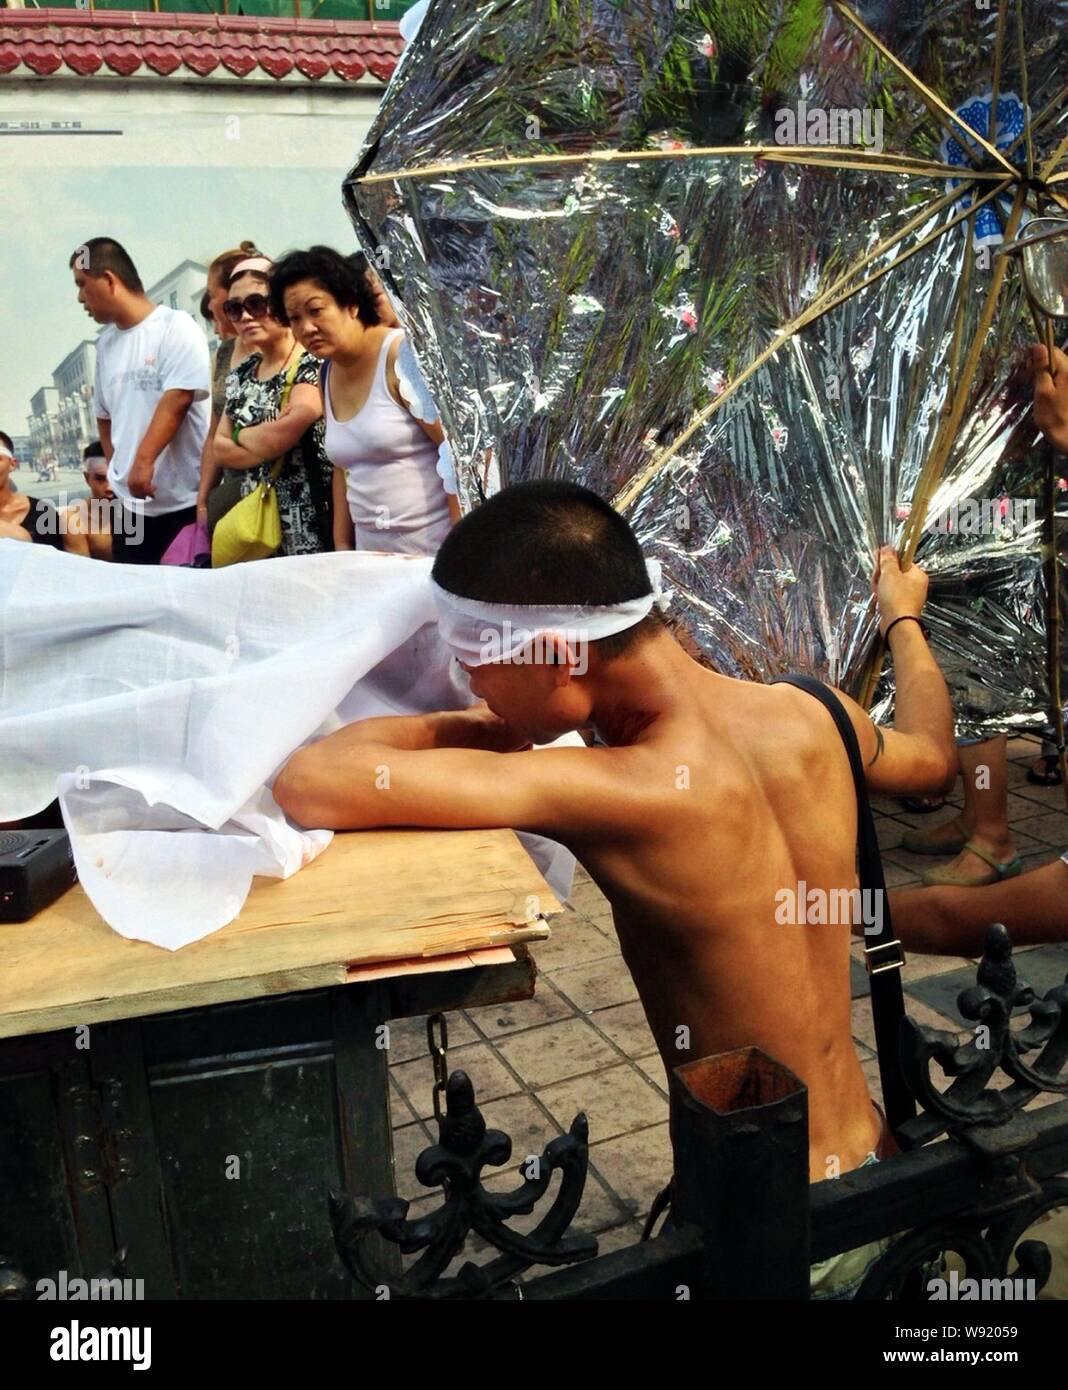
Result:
{"points": [[976, 1172]]}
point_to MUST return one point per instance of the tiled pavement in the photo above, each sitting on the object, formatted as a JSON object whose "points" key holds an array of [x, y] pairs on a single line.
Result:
{"points": [[583, 1044]]}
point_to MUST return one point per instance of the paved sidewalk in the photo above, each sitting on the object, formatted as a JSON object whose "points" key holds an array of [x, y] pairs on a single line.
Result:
{"points": [[583, 1044]]}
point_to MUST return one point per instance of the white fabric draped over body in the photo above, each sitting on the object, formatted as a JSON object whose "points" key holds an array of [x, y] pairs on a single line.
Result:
{"points": [[159, 703]]}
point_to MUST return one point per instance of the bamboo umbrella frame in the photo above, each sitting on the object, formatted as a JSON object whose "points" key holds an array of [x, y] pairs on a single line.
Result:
{"points": [[991, 174]]}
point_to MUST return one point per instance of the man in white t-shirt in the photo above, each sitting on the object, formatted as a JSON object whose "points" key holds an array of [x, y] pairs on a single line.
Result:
{"points": [[151, 401]]}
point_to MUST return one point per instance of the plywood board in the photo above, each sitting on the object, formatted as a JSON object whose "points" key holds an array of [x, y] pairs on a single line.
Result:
{"points": [[373, 897]]}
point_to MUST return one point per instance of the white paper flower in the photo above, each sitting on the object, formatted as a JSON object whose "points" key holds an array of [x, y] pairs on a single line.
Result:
{"points": [[413, 388], [446, 468]]}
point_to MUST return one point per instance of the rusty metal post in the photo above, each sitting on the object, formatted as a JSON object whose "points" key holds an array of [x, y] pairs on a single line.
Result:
{"points": [[740, 1135]]}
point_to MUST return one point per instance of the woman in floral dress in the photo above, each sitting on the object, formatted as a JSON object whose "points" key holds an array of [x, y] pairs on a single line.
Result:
{"points": [[255, 430]]}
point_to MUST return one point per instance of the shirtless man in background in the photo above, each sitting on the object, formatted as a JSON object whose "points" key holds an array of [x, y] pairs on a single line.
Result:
{"points": [[710, 797], [87, 529]]}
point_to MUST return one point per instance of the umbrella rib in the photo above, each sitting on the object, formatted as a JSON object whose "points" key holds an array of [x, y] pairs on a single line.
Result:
{"points": [[800, 154], [934, 103], [926, 241], [890, 165], [1051, 108], [1021, 58], [995, 81], [1046, 172], [816, 310], [934, 464], [932, 471]]}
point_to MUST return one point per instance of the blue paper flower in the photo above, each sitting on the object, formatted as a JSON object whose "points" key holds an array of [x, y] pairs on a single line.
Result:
{"points": [[975, 113]]}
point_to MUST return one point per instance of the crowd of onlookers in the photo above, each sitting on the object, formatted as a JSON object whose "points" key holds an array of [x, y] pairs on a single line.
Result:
{"points": [[313, 390]]}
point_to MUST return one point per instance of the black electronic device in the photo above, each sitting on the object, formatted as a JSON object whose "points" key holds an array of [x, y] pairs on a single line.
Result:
{"points": [[36, 867]]}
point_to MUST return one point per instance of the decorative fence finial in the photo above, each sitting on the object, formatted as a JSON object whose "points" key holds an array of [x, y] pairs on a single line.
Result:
{"points": [[993, 1046], [455, 1163]]}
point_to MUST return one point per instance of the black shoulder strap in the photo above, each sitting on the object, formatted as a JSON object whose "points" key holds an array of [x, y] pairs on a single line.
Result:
{"points": [[883, 954]]}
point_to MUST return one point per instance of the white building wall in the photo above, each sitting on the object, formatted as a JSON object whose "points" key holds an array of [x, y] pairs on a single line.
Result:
{"points": [[43, 424], [212, 126], [75, 426]]}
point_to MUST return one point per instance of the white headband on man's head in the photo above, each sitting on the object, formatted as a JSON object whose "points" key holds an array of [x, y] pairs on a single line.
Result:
{"points": [[479, 633]]}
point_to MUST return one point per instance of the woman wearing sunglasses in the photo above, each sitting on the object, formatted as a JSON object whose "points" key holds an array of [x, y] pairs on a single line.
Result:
{"points": [[256, 430], [212, 499], [394, 486]]}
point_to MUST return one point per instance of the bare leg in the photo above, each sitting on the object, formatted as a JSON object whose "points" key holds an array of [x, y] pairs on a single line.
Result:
{"points": [[985, 818], [953, 921]]}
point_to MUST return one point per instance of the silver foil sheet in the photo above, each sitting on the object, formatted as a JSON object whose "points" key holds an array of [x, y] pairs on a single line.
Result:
{"points": [[572, 317]]}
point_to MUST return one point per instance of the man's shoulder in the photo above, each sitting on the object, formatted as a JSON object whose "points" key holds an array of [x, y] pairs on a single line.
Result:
{"points": [[177, 321]]}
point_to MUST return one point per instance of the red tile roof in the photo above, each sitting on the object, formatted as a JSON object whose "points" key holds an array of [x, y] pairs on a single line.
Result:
{"points": [[125, 42]]}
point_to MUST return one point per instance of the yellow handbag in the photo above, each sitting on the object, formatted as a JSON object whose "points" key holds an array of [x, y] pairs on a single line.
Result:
{"points": [[252, 530]]}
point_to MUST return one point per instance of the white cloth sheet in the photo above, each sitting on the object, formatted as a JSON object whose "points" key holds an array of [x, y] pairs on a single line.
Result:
{"points": [[159, 703]]}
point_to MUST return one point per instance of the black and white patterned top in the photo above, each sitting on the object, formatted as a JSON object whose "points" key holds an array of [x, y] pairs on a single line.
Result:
{"points": [[252, 402]]}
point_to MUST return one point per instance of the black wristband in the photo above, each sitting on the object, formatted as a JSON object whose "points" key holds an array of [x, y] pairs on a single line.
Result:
{"points": [[906, 618]]}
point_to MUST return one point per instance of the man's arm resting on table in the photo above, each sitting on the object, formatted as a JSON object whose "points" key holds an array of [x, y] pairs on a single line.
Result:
{"points": [[953, 921], [445, 771]]}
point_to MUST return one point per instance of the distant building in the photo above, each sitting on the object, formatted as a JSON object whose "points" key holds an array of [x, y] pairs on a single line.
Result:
{"points": [[75, 422], [43, 422], [21, 444], [183, 288]]}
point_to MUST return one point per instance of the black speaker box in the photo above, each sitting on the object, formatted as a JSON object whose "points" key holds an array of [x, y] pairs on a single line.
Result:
{"points": [[36, 867]]}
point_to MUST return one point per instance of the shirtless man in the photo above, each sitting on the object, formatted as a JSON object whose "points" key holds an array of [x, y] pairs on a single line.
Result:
{"points": [[711, 796], [87, 529]]}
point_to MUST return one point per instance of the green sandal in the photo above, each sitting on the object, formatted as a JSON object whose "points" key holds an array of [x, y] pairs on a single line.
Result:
{"points": [[947, 877], [922, 841]]}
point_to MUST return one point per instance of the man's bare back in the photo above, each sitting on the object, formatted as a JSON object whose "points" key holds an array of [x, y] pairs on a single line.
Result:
{"points": [[710, 799], [759, 799]]}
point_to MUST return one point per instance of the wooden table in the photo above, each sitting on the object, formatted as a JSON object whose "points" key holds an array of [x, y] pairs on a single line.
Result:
{"points": [[194, 1107]]}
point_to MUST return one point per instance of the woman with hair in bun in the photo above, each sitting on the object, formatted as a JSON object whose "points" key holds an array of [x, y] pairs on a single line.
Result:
{"points": [[256, 429], [394, 486], [232, 349]]}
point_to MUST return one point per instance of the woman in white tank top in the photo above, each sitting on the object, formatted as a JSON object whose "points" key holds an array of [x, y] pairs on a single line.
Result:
{"points": [[394, 484]]}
